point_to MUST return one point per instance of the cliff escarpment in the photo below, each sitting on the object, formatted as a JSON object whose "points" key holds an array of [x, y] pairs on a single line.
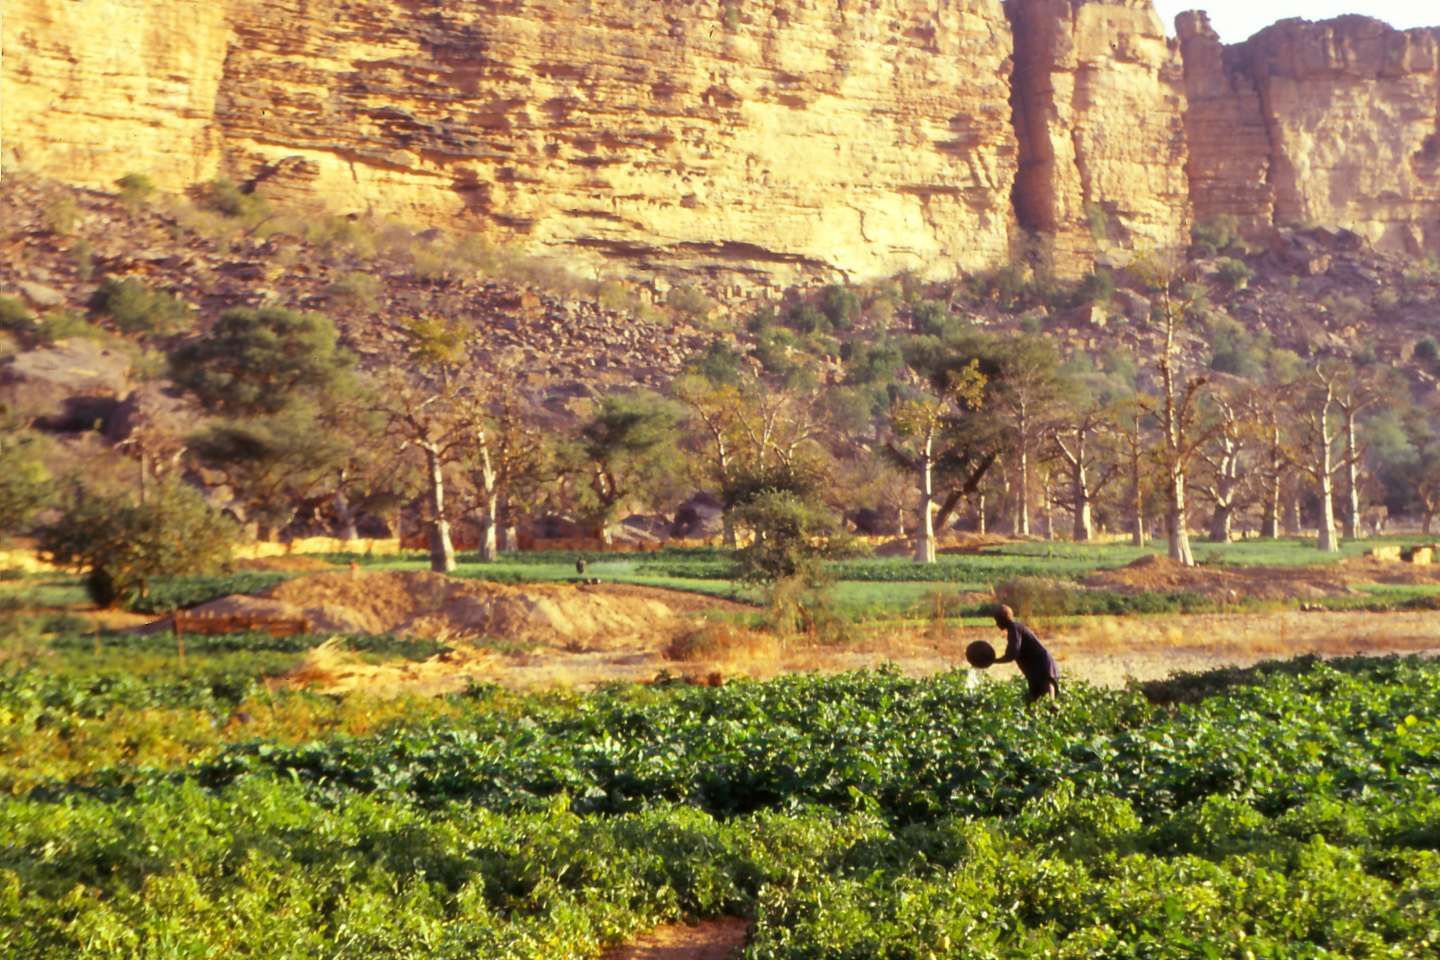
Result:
{"points": [[1334, 123], [763, 142]]}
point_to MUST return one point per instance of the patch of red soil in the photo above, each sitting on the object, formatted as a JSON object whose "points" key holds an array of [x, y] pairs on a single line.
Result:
{"points": [[708, 940]]}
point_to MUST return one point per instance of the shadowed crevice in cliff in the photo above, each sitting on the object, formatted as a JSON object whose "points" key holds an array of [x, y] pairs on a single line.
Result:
{"points": [[1032, 194]]}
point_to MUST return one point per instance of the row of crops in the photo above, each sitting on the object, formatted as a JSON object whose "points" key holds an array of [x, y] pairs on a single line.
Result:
{"points": [[1287, 812]]}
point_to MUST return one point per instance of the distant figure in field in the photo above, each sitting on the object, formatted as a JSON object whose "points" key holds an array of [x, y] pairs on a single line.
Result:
{"points": [[1024, 649]]}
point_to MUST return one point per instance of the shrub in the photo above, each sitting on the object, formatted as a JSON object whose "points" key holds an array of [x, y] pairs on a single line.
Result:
{"points": [[121, 545], [1097, 287], [25, 483], [840, 305], [691, 302], [1036, 596], [225, 197], [61, 215], [15, 317], [135, 188], [1215, 235], [1427, 353], [1235, 274], [355, 291], [66, 325], [136, 309]]}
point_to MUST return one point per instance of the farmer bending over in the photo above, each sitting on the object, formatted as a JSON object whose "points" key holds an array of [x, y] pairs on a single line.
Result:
{"points": [[1024, 649]]}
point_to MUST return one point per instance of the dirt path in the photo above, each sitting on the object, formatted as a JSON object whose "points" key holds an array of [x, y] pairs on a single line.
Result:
{"points": [[708, 940]]}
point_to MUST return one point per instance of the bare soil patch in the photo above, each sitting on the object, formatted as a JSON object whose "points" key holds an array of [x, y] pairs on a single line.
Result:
{"points": [[1157, 574], [708, 940], [573, 616]]}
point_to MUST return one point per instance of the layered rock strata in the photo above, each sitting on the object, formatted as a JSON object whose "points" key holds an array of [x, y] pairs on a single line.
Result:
{"points": [[1099, 104], [1334, 123], [751, 142], [773, 139]]}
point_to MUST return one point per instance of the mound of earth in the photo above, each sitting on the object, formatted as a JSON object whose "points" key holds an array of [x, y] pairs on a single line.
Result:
{"points": [[1161, 574], [432, 605]]}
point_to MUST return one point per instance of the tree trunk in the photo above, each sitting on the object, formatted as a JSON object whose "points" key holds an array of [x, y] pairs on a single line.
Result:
{"points": [[1427, 523], [1327, 541], [1352, 480], [925, 531], [727, 530], [489, 524], [1022, 495], [1179, 536], [346, 516], [1084, 530], [1220, 523], [1294, 526], [1270, 526], [980, 515], [442, 550]]}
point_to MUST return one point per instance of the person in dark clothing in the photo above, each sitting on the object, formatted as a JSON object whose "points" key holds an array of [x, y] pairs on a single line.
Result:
{"points": [[1024, 649]]}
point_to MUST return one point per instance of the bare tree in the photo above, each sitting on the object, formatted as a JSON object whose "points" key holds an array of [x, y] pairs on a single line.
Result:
{"points": [[1178, 406], [924, 428], [1353, 396], [1075, 441], [428, 409], [1316, 449], [1227, 476]]}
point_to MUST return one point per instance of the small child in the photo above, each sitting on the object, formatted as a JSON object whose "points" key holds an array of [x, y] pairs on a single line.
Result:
{"points": [[1024, 649]]}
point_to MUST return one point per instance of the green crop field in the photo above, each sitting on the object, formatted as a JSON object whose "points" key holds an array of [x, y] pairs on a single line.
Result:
{"points": [[149, 811]]}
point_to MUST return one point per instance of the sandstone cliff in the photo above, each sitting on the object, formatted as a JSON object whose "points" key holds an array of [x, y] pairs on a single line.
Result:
{"points": [[746, 141], [1332, 123], [1099, 101], [774, 138]]}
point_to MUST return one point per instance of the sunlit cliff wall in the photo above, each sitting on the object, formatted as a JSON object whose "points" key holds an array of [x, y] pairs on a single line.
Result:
{"points": [[750, 141]]}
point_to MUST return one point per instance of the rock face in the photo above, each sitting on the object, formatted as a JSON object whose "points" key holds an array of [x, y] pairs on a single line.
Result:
{"points": [[1331, 123], [776, 138], [755, 142], [1099, 102]]}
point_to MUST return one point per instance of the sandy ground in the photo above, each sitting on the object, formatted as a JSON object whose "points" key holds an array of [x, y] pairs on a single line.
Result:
{"points": [[710, 940], [1105, 651]]}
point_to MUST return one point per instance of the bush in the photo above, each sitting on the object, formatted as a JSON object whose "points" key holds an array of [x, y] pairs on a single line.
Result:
{"points": [[61, 215], [1235, 274], [691, 302], [840, 306], [1215, 235], [25, 483], [225, 197], [1036, 596], [15, 317], [135, 188], [121, 545], [66, 325], [355, 291], [136, 309]]}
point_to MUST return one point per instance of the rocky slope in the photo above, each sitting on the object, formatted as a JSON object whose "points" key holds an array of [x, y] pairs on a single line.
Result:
{"points": [[752, 143]]}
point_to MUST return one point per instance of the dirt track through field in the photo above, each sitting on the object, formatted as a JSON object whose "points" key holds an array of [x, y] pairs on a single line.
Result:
{"points": [[709, 940]]}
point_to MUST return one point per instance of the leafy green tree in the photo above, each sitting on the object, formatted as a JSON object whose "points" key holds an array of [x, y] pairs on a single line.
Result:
{"points": [[792, 538], [627, 449], [273, 463], [840, 305], [121, 545], [137, 309], [255, 362], [25, 483]]}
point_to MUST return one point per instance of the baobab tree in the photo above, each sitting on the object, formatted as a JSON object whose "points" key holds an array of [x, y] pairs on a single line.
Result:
{"points": [[1224, 456], [1315, 451], [925, 428], [429, 409], [1178, 406]]}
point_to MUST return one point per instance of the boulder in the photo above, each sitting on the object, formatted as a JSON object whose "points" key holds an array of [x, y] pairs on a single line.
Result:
{"points": [[66, 387]]}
